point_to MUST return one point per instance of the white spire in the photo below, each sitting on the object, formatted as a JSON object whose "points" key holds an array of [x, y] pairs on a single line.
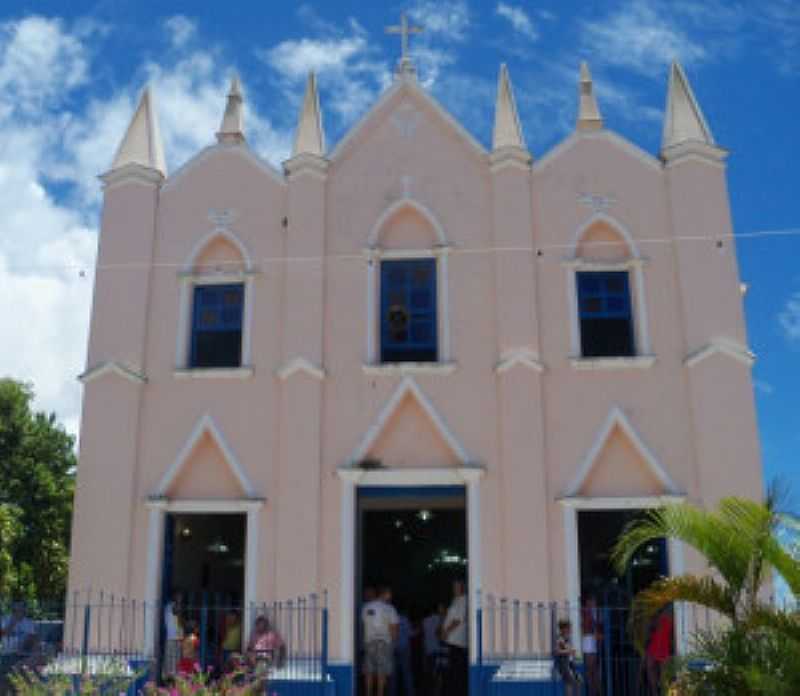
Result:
{"points": [[683, 120], [589, 117], [507, 128], [232, 128], [310, 138], [142, 142]]}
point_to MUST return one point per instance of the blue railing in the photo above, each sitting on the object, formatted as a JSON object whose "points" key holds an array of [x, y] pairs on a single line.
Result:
{"points": [[93, 634]]}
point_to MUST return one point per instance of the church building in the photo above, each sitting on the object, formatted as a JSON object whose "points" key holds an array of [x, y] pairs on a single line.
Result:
{"points": [[408, 357]]}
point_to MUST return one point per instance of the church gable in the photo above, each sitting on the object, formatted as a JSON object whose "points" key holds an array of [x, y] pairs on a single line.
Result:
{"points": [[205, 474], [619, 464], [205, 468], [620, 470], [406, 113], [410, 433]]}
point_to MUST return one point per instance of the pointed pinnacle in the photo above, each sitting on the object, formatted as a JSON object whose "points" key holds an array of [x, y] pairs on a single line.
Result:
{"points": [[142, 141], [231, 129], [507, 128], [310, 138], [589, 117], [683, 119]]}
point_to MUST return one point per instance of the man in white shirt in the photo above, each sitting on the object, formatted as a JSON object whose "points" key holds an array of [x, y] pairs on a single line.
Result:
{"points": [[454, 635], [380, 622]]}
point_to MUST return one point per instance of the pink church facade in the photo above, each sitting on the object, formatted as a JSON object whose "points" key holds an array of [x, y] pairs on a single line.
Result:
{"points": [[409, 311]]}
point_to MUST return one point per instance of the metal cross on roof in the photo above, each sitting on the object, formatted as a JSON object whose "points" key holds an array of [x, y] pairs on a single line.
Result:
{"points": [[404, 29]]}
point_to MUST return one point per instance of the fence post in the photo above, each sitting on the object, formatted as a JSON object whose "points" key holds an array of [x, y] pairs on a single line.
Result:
{"points": [[87, 623], [607, 650], [203, 633], [324, 651], [479, 630]]}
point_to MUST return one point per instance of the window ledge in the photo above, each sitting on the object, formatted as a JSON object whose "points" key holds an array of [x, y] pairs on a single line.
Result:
{"points": [[244, 372], [409, 368], [639, 362]]}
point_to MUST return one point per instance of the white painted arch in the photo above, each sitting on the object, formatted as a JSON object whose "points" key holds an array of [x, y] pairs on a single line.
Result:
{"points": [[375, 233], [604, 218], [218, 233]]}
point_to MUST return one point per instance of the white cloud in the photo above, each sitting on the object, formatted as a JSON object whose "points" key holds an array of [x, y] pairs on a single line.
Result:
{"points": [[38, 60], [789, 318], [519, 19], [48, 242], [180, 29], [642, 36], [447, 19], [347, 64]]}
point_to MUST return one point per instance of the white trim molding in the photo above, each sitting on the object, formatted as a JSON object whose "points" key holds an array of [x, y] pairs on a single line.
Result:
{"points": [[112, 367], [409, 368], [374, 254], [244, 372], [205, 425], [616, 418], [300, 365], [571, 506], [408, 387], [351, 478], [519, 357], [722, 346], [189, 277], [158, 508], [634, 264], [639, 362]]}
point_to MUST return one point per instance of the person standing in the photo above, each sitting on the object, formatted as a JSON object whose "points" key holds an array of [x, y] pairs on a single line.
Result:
{"points": [[173, 634], [659, 649], [380, 622], [454, 635], [590, 643], [435, 655], [402, 657]]}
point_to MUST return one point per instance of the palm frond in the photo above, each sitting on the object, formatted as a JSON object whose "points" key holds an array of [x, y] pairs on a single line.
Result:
{"points": [[709, 533], [704, 591]]}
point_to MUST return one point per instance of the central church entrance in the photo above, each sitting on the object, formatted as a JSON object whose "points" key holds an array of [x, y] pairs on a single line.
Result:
{"points": [[413, 540]]}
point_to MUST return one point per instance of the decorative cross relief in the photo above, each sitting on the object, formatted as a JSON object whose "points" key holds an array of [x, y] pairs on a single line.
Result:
{"points": [[221, 218], [596, 202], [406, 119]]}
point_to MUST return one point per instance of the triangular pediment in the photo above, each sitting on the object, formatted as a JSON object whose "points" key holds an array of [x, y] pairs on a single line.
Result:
{"points": [[205, 467], [619, 464], [405, 104], [614, 145], [410, 433]]}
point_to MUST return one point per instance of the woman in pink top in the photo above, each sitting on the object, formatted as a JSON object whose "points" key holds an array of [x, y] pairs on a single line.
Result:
{"points": [[266, 648]]}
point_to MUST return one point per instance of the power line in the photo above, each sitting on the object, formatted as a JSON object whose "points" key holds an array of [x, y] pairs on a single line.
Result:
{"points": [[539, 250]]}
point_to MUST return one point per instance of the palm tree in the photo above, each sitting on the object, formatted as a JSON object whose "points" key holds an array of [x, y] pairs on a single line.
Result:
{"points": [[758, 652]]}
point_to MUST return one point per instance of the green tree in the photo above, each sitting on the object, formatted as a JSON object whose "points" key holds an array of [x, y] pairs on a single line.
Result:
{"points": [[37, 471], [741, 542]]}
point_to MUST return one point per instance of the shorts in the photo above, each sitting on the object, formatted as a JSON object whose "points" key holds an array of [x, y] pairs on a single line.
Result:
{"points": [[589, 644], [379, 658]]}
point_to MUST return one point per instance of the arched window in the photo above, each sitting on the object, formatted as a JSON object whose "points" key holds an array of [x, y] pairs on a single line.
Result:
{"points": [[407, 310], [216, 306], [606, 295]]}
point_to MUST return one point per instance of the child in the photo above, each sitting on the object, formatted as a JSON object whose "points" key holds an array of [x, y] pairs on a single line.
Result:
{"points": [[564, 656], [188, 664]]}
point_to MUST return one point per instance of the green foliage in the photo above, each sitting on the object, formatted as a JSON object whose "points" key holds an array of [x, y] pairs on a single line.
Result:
{"points": [[238, 683], [29, 682], [756, 650], [37, 470]]}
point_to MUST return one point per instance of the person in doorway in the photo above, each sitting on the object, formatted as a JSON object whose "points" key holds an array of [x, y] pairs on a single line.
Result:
{"points": [[173, 634], [266, 649], [454, 635], [564, 656], [402, 657], [189, 663], [380, 622], [432, 646], [659, 649], [231, 637], [590, 644]]}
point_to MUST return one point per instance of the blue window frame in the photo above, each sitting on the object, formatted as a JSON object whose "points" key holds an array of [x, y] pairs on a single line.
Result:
{"points": [[408, 311], [217, 326], [606, 318]]}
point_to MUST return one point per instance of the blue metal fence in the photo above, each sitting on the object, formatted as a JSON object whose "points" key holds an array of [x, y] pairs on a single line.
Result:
{"points": [[97, 635], [516, 646]]}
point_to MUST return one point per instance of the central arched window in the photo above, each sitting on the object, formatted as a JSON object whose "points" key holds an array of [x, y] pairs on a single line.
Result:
{"points": [[407, 298], [607, 299]]}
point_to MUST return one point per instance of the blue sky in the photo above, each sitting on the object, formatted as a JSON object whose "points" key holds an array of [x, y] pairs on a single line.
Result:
{"points": [[70, 74]]}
